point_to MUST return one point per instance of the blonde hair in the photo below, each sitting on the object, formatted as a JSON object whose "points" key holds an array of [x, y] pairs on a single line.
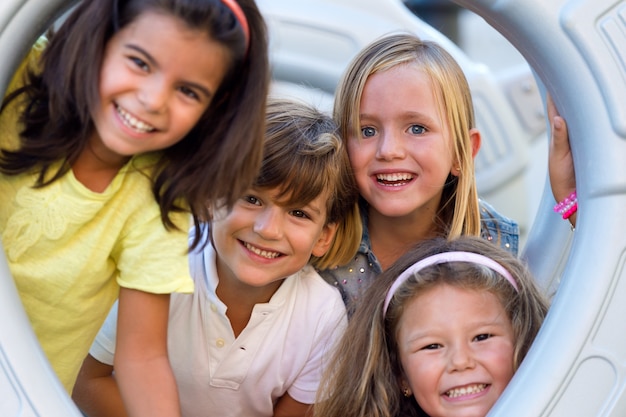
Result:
{"points": [[458, 212], [304, 157], [362, 378]]}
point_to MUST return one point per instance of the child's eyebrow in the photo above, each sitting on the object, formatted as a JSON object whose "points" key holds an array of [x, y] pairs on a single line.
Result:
{"points": [[316, 211], [143, 52], [154, 63], [314, 208], [418, 116], [365, 116], [417, 335]]}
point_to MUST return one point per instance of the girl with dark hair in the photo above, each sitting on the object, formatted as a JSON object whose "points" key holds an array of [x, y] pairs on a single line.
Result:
{"points": [[116, 132]]}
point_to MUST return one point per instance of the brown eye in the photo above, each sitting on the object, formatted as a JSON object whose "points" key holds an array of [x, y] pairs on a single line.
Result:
{"points": [[299, 213], [139, 63], [250, 199], [432, 346]]}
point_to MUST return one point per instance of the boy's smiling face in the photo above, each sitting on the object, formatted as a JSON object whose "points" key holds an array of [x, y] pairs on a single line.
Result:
{"points": [[260, 241]]}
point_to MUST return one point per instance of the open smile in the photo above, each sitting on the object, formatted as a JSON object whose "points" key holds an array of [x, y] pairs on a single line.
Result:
{"points": [[466, 390], [132, 122], [395, 179], [261, 252]]}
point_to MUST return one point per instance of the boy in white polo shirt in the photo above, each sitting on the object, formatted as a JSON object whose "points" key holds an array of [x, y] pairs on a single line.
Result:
{"points": [[253, 338]]}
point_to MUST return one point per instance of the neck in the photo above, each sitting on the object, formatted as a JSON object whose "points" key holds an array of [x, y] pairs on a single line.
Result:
{"points": [[96, 167], [240, 298], [391, 237]]}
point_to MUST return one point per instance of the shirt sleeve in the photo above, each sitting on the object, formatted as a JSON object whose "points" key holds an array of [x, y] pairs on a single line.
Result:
{"points": [[9, 117], [330, 328], [152, 258], [103, 347]]}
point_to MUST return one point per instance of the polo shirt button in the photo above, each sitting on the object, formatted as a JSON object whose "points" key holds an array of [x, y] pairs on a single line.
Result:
{"points": [[213, 307], [219, 342]]}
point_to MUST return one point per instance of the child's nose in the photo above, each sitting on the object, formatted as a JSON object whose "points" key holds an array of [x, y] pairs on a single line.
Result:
{"points": [[268, 224], [390, 146], [153, 96], [461, 358]]}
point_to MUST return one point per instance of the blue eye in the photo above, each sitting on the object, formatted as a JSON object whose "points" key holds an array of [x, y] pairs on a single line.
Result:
{"points": [[368, 132], [418, 130]]}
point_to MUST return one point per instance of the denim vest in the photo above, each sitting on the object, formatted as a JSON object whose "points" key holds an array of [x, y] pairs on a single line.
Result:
{"points": [[352, 279]]}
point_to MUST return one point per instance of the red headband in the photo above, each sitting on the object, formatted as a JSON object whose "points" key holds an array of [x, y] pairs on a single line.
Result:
{"points": [[241, 18]]}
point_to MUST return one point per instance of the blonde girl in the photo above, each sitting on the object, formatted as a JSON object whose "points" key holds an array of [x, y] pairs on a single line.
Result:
{"points": [[405, 112]]}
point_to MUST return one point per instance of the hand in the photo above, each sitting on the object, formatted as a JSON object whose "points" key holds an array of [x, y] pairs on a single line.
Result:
{"points": [[560, 161]]}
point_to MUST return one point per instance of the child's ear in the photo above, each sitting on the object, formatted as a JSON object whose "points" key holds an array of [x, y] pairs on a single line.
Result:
{"points": [[474, 135], [325, 240], [406, 389]]}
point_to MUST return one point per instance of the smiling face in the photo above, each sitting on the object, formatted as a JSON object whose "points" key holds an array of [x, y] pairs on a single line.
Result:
{"points": [[260, 242], [403, 155], [157, 78], [456, 349]]}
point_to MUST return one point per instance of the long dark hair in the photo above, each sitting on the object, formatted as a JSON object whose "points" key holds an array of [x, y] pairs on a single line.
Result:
{"points": [[217, 159]]}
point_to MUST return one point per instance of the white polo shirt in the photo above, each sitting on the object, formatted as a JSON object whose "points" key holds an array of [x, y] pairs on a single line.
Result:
{"points": [[283, 348]]}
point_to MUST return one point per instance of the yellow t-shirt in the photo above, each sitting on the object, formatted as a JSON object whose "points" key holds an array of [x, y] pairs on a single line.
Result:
{"points": [[69, 249]]}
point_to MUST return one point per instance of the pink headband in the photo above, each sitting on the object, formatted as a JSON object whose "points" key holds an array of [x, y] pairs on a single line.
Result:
{"points": [[241, 18], [442, 258]]}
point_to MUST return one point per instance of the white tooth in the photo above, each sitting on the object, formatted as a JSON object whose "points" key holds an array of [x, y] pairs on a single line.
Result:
{"points": [[394, 177], [133, 122], [473, 389], [263, 253]]}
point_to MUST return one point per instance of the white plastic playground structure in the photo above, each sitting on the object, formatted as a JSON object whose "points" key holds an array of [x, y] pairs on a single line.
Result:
{"points": [[577, 48]]}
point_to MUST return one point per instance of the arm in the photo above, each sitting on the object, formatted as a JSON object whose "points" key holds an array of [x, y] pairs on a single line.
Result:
{"points": [[560, 162], [142, 368], [288, 407], [96, 393]]}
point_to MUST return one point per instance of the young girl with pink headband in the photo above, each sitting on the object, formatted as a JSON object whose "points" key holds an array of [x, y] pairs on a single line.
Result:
{"points": [[443, 332]]}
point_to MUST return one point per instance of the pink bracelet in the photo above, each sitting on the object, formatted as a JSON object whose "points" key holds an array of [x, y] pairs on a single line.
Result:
{"points": [[568, 206]]}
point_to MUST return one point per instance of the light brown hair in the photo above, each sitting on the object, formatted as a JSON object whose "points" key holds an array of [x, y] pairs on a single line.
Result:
{"points": [[362, 378], [304, 157]]}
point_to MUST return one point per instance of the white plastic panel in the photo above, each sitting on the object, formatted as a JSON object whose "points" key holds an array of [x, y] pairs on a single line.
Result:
{"points": [[28, 386], [578, 49]]}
